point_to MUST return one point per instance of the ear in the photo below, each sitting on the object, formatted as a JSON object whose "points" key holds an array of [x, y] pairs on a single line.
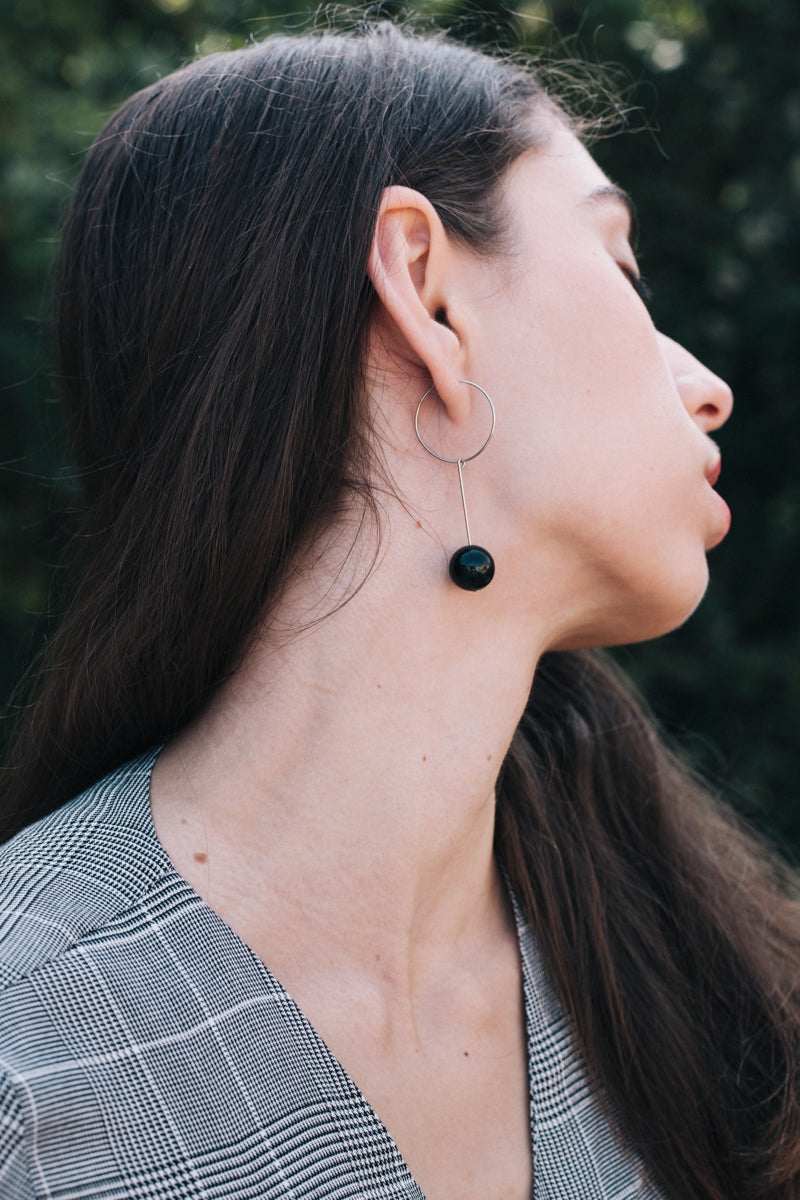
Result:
{"points": [[410, 265]]}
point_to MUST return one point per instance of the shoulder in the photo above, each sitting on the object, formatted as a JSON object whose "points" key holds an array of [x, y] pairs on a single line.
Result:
{"points": [[73, 871]]}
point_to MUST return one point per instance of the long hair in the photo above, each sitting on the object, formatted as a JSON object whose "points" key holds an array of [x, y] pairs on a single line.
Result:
{"points": [[213, 307]]}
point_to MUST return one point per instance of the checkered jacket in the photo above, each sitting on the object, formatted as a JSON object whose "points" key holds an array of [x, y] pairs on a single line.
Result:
{"points": [[145, 1052]]}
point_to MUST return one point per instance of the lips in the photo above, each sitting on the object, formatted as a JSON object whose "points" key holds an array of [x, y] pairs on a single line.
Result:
{"points": [[713, 471], [712, 475]]}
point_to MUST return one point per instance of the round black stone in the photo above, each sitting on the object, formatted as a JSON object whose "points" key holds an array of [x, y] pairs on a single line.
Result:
{"points": [[472, 568]]}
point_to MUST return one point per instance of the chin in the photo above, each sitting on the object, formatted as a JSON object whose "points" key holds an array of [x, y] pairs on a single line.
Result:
{"points": [[640, 619], [662, 619]]}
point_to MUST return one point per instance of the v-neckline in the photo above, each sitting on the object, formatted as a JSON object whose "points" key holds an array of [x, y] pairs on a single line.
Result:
{"points": [[349, 1087]]}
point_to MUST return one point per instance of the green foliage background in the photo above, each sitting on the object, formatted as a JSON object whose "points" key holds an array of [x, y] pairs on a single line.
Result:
{"points": [[715, 169]]}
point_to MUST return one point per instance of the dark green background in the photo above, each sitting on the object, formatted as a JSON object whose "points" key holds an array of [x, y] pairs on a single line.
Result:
{"points": [[714, 165]]}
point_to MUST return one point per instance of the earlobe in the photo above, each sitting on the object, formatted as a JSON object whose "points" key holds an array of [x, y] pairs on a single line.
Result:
{"points": [[410, 263]]}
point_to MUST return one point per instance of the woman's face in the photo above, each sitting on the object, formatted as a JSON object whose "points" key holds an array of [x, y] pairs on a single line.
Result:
{"points": [[600, 475]]}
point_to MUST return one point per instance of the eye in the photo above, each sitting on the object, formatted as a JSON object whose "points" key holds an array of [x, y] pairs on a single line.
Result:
{"points": [[639, 284]]}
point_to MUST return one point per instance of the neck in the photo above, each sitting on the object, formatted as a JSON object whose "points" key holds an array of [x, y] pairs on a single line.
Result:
{"points": [[349, 775]]}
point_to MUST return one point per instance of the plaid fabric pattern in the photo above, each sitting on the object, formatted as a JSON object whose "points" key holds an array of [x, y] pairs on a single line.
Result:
{"points": [[147, 1054]]}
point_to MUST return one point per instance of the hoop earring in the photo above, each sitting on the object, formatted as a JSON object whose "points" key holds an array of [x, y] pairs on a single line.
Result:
{"points": [[471, 567]]}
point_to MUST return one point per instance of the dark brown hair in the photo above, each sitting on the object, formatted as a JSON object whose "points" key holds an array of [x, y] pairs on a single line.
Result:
{"points": [[213, 306]]}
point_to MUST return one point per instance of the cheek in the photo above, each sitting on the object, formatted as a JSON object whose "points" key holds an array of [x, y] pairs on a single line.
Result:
{"points": [[615, 505], [600, 455], [593, 433], [574, 318]]}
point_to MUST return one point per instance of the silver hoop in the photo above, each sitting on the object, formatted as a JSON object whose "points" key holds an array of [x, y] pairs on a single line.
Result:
{"points": [[461, 461]]}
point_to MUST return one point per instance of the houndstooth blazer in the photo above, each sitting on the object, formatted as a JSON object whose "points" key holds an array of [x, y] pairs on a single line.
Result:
{"points": [[146, 1052]]}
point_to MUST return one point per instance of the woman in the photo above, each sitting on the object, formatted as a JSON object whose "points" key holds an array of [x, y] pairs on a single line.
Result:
{"points": [[326, 306]]}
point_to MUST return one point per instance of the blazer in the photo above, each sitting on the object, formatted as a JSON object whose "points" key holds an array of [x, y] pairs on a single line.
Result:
{"points": [[146, 1052]]}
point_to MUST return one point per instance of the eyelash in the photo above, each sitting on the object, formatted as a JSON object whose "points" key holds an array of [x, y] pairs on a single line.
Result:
{"points": [[640, 285]]}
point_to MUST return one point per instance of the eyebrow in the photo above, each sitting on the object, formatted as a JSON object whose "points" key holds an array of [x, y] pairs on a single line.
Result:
{"points": [[611, 192]]}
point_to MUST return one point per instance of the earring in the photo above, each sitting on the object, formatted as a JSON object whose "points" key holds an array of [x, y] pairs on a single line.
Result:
{"points": [[471, 567]]}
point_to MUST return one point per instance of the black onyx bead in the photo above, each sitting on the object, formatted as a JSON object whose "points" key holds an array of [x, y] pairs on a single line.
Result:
{"points": [[471, 568]]}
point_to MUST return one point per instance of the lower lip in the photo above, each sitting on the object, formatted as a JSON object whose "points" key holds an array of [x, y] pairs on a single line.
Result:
{"points": [[724, 519]]}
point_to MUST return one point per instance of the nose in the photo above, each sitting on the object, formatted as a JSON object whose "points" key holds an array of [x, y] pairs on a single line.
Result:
{"points": [[707, 398]]}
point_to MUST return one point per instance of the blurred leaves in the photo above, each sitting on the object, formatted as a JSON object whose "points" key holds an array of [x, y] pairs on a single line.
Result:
{"points": [[714, 165]]}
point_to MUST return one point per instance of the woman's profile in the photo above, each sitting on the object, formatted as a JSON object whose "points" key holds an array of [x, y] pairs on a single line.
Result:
{"points": [[343, 865]]}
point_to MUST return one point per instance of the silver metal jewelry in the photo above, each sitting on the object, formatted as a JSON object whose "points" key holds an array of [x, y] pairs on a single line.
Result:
{"points": [[471, 567]]}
